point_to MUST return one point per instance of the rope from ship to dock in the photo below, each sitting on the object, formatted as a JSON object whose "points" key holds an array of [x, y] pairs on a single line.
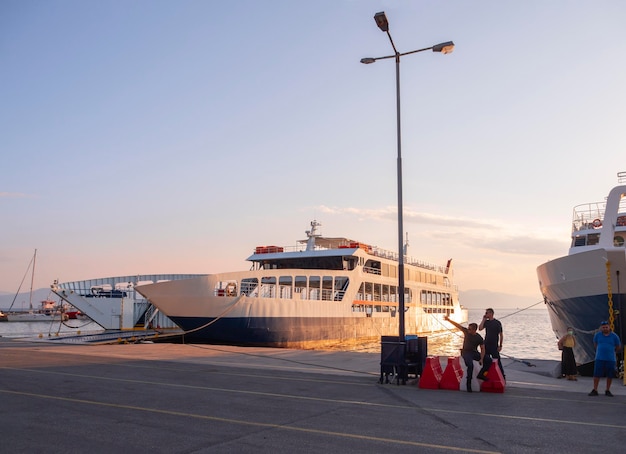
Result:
{"points": [[226, 311], [291, 361], [609, 289], [158, 333], [512, 358]]}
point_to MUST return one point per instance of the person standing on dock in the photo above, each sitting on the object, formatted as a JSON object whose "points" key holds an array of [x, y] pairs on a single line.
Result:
{"points": [[568, 363], [607, 344], [471, 341], [494, 336]]}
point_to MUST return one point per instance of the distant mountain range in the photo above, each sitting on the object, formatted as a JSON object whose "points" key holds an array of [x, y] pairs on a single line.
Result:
{"points": [[22, 300]]}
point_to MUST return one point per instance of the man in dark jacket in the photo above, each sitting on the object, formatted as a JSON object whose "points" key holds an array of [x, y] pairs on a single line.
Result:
{"points": [[471, 341]]}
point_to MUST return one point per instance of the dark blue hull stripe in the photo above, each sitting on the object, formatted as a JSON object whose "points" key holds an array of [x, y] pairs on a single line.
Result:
{"points": [[584, 314], [286, 332]]}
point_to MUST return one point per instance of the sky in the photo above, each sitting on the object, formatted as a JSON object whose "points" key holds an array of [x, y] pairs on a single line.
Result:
{"points": [[152, 136]]}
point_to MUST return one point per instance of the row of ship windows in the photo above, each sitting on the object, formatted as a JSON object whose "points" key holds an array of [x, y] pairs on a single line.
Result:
{"points": [[326, 288], [383, 269], [371, 308], [594, 238]]}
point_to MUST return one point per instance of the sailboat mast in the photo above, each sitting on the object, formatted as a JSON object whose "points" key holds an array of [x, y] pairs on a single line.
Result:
{"points": [[32, 278]]}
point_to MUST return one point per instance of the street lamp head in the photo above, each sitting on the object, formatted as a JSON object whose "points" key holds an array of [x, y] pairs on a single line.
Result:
{"points": [[444, 48], [381, 21], [368, 60]]}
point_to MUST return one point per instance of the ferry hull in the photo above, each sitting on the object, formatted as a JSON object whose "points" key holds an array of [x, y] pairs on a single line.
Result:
{"points": [[288, 332], [285, 322], [576, 291], [334, 291]]}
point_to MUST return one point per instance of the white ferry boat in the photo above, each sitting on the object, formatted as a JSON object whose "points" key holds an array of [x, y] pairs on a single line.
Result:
{"points": [[320, 293], [588, 285]]}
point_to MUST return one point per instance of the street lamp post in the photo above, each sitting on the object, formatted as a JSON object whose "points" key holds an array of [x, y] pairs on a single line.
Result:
{"points": [[444, 48]]}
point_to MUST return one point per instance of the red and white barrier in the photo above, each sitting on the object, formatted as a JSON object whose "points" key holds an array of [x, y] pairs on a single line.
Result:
{"points": [[431, 375], [451, 378], [495, 381]]}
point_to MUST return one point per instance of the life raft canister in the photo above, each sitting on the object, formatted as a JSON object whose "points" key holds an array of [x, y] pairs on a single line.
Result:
{"points": [[597, 223]]}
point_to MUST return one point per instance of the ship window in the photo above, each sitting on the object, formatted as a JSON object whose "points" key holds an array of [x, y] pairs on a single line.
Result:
{"points": [[225, 288], [579, 241], [327, 288], [268, 287], [341, 285], [377, 292], [284, 285], [618, 241], [367, 293], [372, 267], [385, 295], [300, 286], [314, 287], [393, 294], [593, 239], [249, 285], [349, 263]]}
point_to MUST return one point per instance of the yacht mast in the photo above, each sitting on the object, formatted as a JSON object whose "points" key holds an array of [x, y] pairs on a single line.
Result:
{"points": [[32, 278]]}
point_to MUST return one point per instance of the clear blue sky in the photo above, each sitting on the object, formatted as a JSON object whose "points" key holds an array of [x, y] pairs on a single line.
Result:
{"points": [[175, 136]]}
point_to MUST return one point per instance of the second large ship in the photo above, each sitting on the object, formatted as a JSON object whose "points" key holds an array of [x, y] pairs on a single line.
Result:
{"points": [[586, 286], [320, 293]]}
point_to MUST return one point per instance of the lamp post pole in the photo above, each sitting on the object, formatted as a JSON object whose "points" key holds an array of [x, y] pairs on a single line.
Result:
{"points": [[444, 48]]}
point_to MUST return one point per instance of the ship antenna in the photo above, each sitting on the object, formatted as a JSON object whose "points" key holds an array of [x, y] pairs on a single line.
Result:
{"points": [[406, 244], [311, 235]]}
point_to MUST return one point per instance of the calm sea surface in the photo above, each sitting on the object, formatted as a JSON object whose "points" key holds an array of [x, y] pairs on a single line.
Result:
{"points": [[527, 334], [48, 329]]}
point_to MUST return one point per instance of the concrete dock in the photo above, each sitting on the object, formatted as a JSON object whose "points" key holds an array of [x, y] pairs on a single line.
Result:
{"points": [[182, 398]]}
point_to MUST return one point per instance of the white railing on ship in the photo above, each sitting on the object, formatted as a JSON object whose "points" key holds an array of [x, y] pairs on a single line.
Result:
{"points": [[377, 252], [591, 215]]}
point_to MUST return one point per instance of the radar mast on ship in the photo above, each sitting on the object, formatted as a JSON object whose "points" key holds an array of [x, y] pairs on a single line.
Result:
{"points": [[311, 235]]}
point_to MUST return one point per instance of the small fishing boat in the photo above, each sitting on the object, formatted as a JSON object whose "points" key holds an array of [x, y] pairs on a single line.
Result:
{"points": [[49, 311], [588, 285], [322, 292]]}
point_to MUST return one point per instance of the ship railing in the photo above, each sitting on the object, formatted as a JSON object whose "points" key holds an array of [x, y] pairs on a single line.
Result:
{"points": [[378, 252], [588, 216], [371, 270]]}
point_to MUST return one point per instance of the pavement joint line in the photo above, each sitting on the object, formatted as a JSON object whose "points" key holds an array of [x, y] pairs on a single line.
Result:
{"points": [[252, 423], [318, 399], [526, 418]]}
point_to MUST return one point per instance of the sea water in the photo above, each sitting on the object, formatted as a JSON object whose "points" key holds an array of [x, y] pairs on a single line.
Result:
{"points": [[48, 329], [527, 334]]}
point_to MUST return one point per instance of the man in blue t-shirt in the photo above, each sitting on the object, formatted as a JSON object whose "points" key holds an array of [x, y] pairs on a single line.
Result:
{"points": [[607, 343]]}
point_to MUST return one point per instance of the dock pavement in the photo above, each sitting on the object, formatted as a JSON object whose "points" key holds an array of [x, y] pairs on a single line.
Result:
{"points": [[196, 398]]}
